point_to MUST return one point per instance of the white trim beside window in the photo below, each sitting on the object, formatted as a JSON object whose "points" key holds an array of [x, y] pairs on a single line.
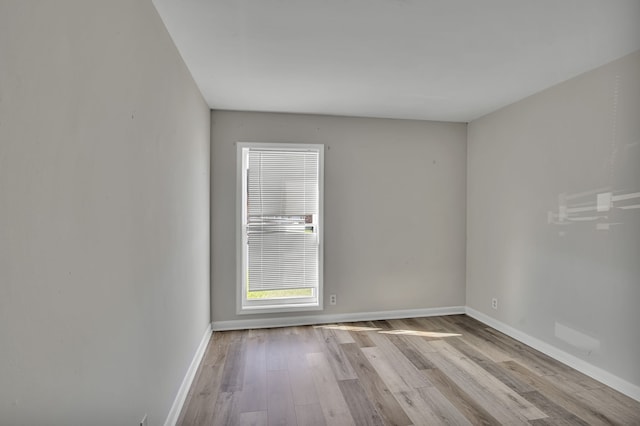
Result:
{"points": [[279, 227]]}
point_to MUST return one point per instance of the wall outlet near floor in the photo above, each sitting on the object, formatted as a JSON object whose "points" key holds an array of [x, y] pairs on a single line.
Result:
{"points": [[333, 299], [494, 303], [144, 422]]}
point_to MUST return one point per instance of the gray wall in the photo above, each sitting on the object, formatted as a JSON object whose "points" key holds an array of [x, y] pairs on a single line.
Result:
{"points": [[104, 225], [574, 286], [394, 208]]}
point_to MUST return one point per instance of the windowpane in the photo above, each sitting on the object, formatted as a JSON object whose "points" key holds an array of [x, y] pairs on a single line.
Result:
{"points": [[281, 224]]}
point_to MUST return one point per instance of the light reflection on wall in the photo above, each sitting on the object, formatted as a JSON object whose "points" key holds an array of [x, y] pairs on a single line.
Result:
{"points": [[600, 208]]}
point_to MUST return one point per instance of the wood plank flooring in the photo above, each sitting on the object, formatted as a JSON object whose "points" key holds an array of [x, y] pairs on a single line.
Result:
{"points": [[449, 370]]}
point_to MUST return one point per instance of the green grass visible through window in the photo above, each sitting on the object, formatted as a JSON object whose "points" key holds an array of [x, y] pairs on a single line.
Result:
{"points": [[268, 294]]}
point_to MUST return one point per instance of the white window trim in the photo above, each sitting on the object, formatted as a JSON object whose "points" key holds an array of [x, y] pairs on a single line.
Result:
{"points": [[266, 306]]}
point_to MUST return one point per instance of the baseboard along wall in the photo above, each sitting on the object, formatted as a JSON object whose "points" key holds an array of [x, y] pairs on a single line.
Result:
{"points": [[611, 380], [245, 324], [181, 396]]}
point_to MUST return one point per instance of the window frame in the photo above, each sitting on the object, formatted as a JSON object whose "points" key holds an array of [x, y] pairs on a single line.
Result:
{"points": [[296, 304]]}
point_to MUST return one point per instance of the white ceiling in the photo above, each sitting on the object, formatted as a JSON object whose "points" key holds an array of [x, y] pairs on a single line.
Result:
{"points": [[450, 60]]}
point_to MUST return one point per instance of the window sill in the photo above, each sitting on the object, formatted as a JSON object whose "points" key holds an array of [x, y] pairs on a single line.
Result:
{"points": [[279, 308]]}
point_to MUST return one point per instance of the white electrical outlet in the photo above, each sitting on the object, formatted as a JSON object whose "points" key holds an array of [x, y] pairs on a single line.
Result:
{"points": [[144, 422], [333, 299], [494, 303]]}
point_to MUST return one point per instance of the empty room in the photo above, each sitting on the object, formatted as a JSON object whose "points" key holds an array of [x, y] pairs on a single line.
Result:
{"points": [[340, 212]]}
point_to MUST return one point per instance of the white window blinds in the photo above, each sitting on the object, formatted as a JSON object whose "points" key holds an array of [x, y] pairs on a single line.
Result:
{"points": [[282, 219]]}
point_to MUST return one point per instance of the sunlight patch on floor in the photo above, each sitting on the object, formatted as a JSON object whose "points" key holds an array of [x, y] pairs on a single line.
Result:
{"points": [[347, 327], [434, 334], [420, 333]]}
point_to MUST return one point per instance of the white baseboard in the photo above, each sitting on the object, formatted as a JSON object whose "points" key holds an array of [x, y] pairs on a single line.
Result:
{"points": [[245, 324], [178, 402], [615, 382]]}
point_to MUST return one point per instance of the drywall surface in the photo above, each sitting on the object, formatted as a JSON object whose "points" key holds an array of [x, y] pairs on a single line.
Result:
{"points": [[394, 208], [554, 220], [104, 214]]}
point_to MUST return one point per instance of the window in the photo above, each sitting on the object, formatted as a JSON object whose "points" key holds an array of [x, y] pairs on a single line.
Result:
{"points": [[279, 195]]}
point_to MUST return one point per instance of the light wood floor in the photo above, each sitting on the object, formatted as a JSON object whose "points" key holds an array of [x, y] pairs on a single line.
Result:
{"points": [[423, 371]]}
